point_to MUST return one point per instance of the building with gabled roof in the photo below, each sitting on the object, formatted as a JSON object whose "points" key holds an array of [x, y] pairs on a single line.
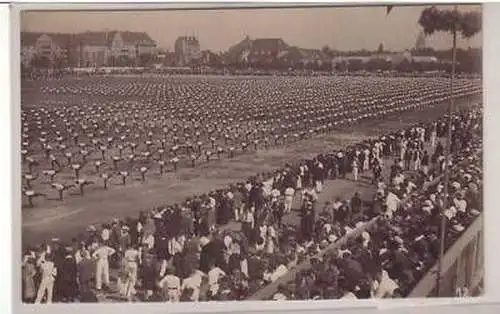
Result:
{"points": [[257, 50], [274, 51], [89, 48], [44, 49], [113, 48]]}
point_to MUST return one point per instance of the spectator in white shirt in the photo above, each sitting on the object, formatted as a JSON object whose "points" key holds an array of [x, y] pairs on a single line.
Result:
{"points": [[193, 282], [102, 255], [460, 203], [214, 274], [48, 273], [310, 192], [385, 287], [275, 194], [281, 270], [289, 192], [171, 286], [355, 169], [392, 202], [132, 258]]}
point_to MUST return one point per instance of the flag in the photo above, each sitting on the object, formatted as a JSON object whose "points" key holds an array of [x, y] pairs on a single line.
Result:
{"points": [[389, 9]]}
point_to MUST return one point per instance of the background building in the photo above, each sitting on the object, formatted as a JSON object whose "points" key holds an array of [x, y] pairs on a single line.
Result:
{"points": [[187, 50], [88, 49], [274, 53], [259, 51], [91, 49], [45, 49]]}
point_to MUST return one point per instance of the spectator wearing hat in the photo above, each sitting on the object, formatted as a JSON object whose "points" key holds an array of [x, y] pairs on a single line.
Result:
{"points": [[212, 252], [114, 242], [134, 227], [237, 199], [85, 271], [170, 286], [105, 234], [148, 231], [92, 238], [68, 277], [341, 162], [307, 220], [148, 271], [392, 203], [318, 176], [278, 209], [248, 221], [124, 240], [161, 250], [342, 212], [377, 172], [327, 213]]}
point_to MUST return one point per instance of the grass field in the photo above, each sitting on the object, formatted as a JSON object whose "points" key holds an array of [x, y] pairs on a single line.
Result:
{"points": [[68, 218]]}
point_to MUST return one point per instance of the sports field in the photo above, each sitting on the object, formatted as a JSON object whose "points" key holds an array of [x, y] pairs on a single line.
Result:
{"points": [[65, 219]]}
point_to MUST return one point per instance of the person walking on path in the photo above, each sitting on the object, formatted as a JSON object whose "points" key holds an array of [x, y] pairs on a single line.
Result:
{"points": [[355, 169], [289, 193]]}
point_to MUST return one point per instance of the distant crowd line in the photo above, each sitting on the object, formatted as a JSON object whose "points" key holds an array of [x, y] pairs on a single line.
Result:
{"points": [[57, 74]]}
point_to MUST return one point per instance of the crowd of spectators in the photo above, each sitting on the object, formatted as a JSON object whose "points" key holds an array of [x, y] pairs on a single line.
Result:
{"points": [[394, 253], [184, 252]]}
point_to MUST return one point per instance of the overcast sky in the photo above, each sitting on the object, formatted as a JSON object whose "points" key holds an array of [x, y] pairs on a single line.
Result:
{"points": [[348, 28]]}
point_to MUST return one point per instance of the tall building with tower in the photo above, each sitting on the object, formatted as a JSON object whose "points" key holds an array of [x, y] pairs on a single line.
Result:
{"points": [[187, 50]]}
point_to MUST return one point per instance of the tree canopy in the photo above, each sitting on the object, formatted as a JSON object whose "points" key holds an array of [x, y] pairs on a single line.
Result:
{"points": [[467, 24]]}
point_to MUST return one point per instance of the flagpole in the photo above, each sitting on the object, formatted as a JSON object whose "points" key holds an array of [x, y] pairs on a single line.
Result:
{"points": [[446, 202]]}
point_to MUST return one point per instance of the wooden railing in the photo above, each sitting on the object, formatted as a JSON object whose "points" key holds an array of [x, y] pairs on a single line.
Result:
{"points": [[268, 291], [463, 265]]}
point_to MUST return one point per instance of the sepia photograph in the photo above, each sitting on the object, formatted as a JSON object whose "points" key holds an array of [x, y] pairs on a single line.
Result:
{"points": [[239, 154]]}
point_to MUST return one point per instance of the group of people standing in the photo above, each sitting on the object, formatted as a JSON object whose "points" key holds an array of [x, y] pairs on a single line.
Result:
{"points": [[386, 258], [187, 252]]}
